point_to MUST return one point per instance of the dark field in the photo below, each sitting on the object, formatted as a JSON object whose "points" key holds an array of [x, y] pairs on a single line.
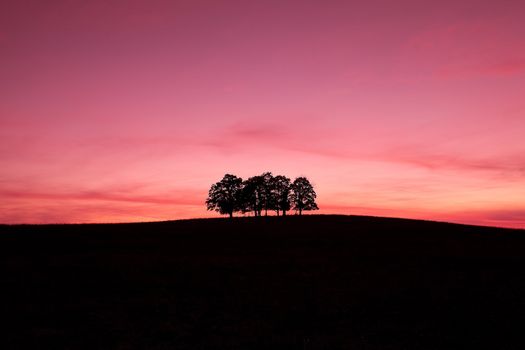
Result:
{"points": [[313, 282]]}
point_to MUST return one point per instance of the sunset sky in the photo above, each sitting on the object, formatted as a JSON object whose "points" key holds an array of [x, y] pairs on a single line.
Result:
{"points": [[129, 110]]}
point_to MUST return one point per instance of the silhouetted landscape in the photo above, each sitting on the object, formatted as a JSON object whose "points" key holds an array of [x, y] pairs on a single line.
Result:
{"points": [[294, 282], [263, 192]]}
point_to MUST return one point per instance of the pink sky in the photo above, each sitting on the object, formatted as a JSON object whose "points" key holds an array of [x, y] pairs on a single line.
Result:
{"points": [[129, 110]]}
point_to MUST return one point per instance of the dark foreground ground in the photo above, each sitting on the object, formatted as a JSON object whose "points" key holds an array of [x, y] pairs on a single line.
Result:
{"points": [[314, 282]]}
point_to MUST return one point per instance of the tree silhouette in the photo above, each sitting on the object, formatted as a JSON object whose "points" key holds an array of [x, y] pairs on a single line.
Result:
{"points": [[258, 194], [281, 194], [262, 192], [224, 195], [252, 193], [268, 198], [303, 195]]}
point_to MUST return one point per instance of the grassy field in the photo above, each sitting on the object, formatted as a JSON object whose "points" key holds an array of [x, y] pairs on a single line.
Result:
{"points": [[312, 282]]}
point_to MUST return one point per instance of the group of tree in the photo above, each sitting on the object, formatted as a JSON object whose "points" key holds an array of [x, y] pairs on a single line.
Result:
{"points": [[262, 193]]}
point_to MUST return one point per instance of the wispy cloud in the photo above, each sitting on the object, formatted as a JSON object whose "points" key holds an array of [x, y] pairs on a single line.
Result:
{"points": [[470, 48], [511, 163], [118, 203], [506, 67], [182, 197]]}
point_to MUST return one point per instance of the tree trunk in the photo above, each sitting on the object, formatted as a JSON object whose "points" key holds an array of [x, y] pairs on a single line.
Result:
{"points": [[284, 212], [300, 211], [277, 212], [231, 214], [265, 211]]}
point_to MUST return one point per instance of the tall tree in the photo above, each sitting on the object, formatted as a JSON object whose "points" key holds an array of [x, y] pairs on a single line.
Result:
{"points": [[303, 195], [252, 195], [281, 194], [268, 198], [224, 195]]}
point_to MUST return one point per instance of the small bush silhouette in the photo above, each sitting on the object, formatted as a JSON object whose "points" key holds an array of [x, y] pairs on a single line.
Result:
{"points": [[260, 193]]}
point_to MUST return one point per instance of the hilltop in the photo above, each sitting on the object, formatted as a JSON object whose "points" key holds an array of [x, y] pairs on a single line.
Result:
{"points": [[311, 282]]}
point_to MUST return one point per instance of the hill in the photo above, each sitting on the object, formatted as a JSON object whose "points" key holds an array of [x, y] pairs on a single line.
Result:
{"points": [[312, 282]]}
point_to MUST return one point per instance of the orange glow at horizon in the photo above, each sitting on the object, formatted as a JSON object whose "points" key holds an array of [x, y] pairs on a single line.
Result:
{"points": [[117, 111]]}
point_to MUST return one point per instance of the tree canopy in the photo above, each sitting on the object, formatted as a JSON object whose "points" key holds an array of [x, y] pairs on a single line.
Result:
{"points": [[252, 195], [281, 190], [224, 195], [303, 195], [259, 193]]}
